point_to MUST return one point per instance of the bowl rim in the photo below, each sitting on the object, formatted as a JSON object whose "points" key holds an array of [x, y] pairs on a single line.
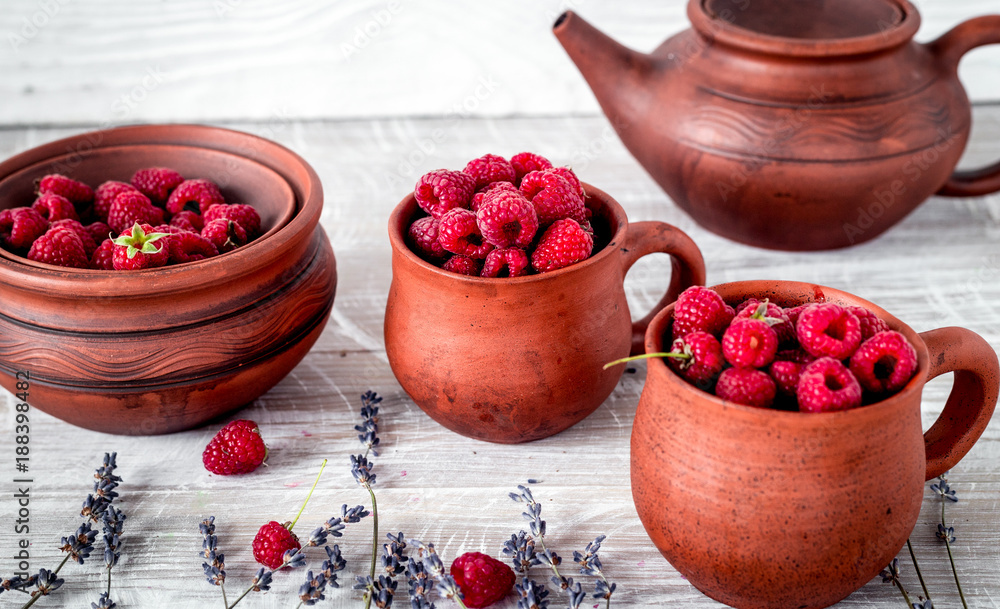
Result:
{"points": [[306, 190]]}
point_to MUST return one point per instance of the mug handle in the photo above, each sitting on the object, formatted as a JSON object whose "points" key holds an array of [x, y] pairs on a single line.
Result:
{"points": [[950, 48], [688, 266], [973, 395]]}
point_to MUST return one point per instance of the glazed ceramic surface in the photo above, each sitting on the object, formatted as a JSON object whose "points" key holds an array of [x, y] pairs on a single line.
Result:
{"points": [[761, 508], [160, 350], [519, 359], [793, 125]]}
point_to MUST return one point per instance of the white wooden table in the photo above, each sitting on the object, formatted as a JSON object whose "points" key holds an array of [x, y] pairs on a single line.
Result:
{"points": [[941, 266]]}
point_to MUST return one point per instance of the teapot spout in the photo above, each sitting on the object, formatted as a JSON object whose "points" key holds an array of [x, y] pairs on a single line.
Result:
{"points": [[618, 76]]}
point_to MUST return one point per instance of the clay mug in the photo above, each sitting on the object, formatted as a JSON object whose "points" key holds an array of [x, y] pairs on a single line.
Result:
{"points": [[762, 508], [793, 125], [518, 359]]}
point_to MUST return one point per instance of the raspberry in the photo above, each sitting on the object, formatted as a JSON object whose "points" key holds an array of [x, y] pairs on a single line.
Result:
{"points": [[194, 195], [482, 579], [553, 197], [103, 257], [54, 207], [787, 367], [463, 265], [793, 313], [564, 243], [828, 330], [508, 262], [526, 162], [20, 226], [89, 243], [140, 248], [225, 235], [188, 220], [774, 315], [78, 193], [884, 363], [440, 190], [699, 308], [574, 181], [746, 386], [826, 385], [99, 231], [704, 359], [749, 343], [105, 196], [479, 197], [507, 219], [459, 233], [244, 215], [130, 208], [423, 238], [185, 246], [59, 246], [236, 449], [490, 168], [272, 541], [871, 324], [156, 183]]}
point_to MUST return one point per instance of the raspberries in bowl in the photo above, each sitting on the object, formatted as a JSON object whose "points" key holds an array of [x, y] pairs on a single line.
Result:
{"points": [[502, 218]]}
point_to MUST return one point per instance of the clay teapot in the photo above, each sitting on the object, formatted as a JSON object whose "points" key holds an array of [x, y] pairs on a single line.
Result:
{"points": [[793, 125]]}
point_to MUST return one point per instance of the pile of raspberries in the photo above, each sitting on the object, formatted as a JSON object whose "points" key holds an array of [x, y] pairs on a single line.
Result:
{"points": [[816, 357], [159, 218], [500, 218]]}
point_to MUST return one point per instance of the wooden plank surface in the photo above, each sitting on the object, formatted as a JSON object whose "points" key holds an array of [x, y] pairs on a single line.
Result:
{"points": [[68, 62], [939, 267]]}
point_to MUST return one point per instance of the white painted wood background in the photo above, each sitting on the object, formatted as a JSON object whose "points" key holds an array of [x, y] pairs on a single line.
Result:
{"points": [[115, 61]]}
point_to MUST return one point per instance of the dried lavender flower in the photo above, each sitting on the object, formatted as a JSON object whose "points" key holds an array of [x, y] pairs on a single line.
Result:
{"points": [[361, 469], [890, 574], [80, 544], [419, 585], [943, 489], [521, 549], [104, 602], [46, 582], [532, 596], [312, 590], [261, 581], [433, 565]]}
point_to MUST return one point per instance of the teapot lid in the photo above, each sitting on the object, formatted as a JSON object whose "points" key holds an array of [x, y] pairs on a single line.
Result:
{"points": [[811, 28]]}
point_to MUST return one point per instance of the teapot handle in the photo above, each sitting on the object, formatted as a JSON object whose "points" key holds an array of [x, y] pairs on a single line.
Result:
{"points": [[950, 48]]}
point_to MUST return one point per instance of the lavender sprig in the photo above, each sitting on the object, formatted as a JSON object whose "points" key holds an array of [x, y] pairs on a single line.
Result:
{"points": [[419, 585], [447, 586], [945, 532], [590, 564], [361, 469], [890, 575]]}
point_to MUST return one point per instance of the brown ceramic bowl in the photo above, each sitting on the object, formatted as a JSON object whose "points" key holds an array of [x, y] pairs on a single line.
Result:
{"points": [[761, 508], [160, 350]]}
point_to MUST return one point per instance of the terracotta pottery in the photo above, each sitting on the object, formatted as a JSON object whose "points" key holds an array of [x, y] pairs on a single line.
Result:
{"points": [[160, 350], [793, 125], [518, 359], [761, 508]]}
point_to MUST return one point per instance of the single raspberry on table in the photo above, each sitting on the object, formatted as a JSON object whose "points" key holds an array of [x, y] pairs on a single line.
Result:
{"points": [[442, 189], [140, 248], [78, 193], [59, 246], [828, 330], [423, 238], [507, 219], [271, 542], [871, 324], [479, 197], [237, 448], [699, 308], [224, 234], [188, 220], [20, 226], [490, 168], [698, 358], [749, 343], [826, 385], [463, 265], [885, 362], [244, 215], [130, 208], [156, 183], [787, 367], [194, 195], [105, 195], [54, 207], [747, 386], [526, 162], [185, 246], [103, 257], [89, 243], [482, 579], [562, 244], [554, 198], [507, 262], [458, 232]]}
